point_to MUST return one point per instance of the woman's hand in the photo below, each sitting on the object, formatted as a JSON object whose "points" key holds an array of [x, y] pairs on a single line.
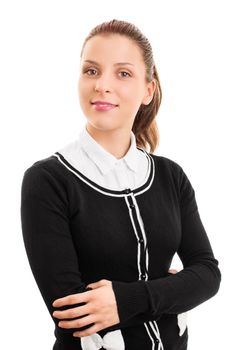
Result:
{"points": [[100, 309]]}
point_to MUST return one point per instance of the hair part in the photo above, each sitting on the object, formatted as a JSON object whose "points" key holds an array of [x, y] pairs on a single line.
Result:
{"points": [[145, 126]]}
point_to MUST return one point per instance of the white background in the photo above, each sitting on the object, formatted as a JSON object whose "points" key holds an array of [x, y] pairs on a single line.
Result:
{"points": [[40, 47]]}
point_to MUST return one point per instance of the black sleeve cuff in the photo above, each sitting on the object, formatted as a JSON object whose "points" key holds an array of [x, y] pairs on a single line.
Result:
{"points": [[132, 299]]}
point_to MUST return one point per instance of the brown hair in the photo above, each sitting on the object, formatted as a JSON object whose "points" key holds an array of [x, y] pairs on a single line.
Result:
{"points": [[144, 126]]}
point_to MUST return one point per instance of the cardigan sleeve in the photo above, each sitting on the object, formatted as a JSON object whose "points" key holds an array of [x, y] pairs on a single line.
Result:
{"points": [[48, 241], [198, 281]]}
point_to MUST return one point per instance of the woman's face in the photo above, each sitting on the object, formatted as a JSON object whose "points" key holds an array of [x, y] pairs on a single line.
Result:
{"points": [[108, 78]]}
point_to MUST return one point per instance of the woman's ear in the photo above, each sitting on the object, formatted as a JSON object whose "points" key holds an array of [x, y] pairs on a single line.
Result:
{"points": [[150, 89]]}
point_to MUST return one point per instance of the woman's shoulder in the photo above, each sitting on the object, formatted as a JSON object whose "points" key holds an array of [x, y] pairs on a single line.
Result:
{"points": [[166, 163], [45, 173], [49, 164], [168, 168]]}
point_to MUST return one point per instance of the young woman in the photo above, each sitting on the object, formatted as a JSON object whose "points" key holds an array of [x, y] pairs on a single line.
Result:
{"points": [[103, 216]]}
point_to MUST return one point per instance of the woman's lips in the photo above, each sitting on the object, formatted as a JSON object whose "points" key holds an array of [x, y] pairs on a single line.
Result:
{"points": [[103, 106]]}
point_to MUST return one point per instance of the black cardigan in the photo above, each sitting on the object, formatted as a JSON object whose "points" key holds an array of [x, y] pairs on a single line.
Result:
{"points": [[77, 232]]}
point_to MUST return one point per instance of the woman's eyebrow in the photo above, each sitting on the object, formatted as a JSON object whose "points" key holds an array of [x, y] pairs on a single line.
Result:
{"points": [[115, 64]]}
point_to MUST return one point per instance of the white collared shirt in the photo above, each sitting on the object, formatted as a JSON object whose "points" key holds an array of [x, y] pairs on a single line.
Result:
{"points": [[100, 166]]}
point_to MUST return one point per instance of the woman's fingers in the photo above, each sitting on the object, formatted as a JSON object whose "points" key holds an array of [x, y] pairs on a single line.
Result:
{"points": [[78, 323], [71, 313], [173, 271], [89, 331], [72, 299]]}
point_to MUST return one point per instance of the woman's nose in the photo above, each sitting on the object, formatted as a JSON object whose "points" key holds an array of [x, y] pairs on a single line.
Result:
{"points": [[103, 84]]}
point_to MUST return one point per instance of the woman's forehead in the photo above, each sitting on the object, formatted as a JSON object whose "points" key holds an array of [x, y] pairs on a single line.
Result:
{"points": [[116, 49]]}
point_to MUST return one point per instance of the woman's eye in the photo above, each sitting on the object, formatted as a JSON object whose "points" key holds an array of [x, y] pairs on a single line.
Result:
{"points": [[126, 73], [88, 70]]}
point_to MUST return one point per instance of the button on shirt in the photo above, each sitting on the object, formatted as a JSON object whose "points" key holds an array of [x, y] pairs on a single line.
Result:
{"points": [[100, 166]]}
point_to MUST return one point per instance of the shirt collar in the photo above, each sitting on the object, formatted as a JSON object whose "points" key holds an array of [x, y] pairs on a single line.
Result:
{"points": [[102, 158]]}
